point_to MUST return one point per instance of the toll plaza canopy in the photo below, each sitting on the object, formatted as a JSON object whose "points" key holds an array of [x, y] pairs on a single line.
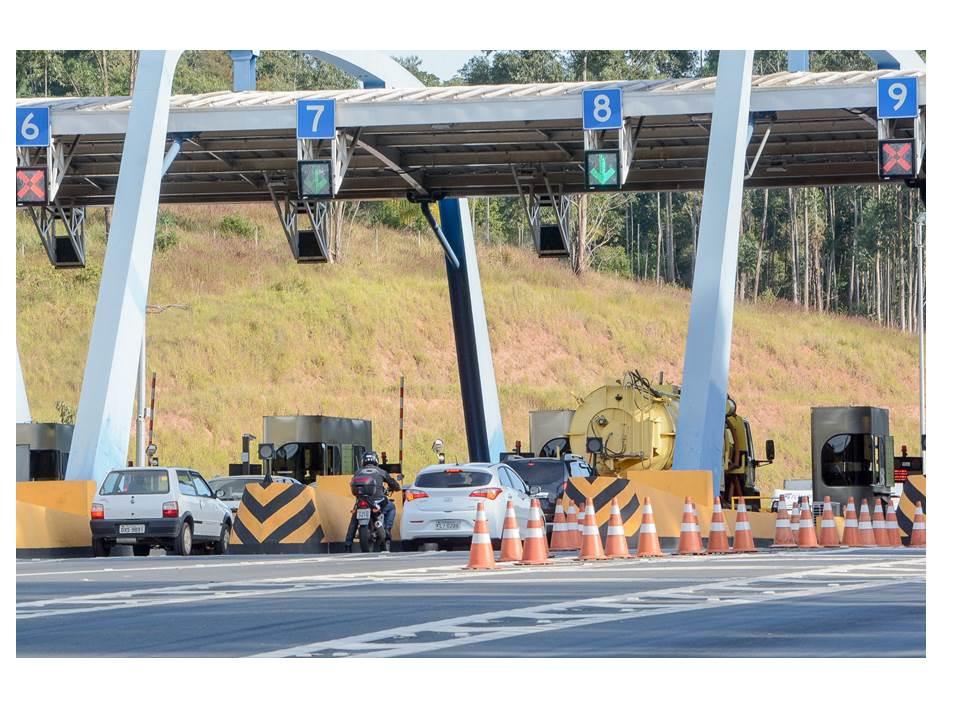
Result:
{"points": [[475, 140]]}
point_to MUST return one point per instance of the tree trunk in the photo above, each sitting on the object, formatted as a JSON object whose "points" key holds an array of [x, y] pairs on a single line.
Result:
{"points": [[763, 237], [794, 249], [659, 238], [806, 251], [671, 267], [852, 294], [580, 257]]}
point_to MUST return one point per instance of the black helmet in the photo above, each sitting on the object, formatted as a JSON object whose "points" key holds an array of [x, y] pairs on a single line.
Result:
{"points": [[369, 458]]}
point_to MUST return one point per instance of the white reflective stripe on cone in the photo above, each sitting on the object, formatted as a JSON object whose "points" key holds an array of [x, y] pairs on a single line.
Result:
{"points": [[717, 527], [827, 523], [590, 530], [481, 539], [919, 526], [651, 528], [852, 522], [743, 526], [647, 510], [866, 524], [614, 530], [535, 532], [509, 533], [689, 527], [806, 523], [783, 523]]}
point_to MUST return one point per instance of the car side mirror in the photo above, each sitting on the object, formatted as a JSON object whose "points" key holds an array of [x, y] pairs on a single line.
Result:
{"points": [[771, 451], [535, 489], [220, 493]]}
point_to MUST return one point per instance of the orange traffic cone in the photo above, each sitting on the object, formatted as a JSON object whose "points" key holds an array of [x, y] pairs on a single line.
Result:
{"points": [[535, 546], [743, 535], [865, 536], [690, 540], [718, 542], [511, 549], [783, 535], [648, 544], [573, 529], [880, 525], [893, 527], [918, 534], [851, 533], [559, 539], [808, 534], [616, 541], [481, 549], [795, 521], [828, 526], [590, 548], [580, 516]]}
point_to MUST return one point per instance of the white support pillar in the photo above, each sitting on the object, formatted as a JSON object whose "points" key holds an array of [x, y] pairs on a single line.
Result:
{"points": [[23, 405], [706, 362], [102, 434]]}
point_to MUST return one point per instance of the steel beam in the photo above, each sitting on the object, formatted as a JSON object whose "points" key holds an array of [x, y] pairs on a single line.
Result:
{"points": [[478, 382], [244, 69], [897, 59], [102, 434], [706, 365], [23, 405]]}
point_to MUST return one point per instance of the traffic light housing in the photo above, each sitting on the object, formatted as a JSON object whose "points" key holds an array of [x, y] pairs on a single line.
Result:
{"points": [[897, 159], [315, 179], [601, 169], [32, 186]]}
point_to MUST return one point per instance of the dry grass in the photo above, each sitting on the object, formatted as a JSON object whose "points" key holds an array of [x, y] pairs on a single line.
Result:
{"points": [[264, 335]]}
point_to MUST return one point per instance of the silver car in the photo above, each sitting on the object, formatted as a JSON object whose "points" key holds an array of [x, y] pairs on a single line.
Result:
{"points": [[229, 488]]}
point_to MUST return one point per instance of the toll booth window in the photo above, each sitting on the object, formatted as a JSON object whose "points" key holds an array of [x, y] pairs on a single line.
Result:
{"points": [[45, 465], [848, 460], [333, 460]]}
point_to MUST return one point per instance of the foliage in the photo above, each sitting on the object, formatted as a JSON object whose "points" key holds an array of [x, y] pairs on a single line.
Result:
{"points": [[234, 225]]}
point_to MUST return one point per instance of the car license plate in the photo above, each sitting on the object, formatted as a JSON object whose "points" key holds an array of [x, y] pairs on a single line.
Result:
{"points": [[448, 524], [132, 529], [363, 515]]}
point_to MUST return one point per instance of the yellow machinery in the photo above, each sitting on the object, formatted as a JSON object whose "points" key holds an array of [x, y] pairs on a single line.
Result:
{"points": [[632, 425]]}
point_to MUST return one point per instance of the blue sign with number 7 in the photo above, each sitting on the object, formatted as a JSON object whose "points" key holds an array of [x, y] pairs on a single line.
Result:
{"points": [[603, 109], [315, 119], [897, 98]]}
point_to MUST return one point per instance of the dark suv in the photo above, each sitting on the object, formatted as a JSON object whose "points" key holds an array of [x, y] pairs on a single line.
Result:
{"points": [[551, 474]]}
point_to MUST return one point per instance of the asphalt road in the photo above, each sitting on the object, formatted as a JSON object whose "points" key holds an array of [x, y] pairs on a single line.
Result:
{"points": [[840, 603]]}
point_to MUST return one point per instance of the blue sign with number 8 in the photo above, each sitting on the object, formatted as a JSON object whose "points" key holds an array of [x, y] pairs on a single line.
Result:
{"points": [[603, 109], [897, 98]]}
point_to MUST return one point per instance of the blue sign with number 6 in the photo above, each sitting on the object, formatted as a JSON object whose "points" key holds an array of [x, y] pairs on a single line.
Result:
{"points": [[897, 98], [33, 127], [315, 119], [603, 109]]}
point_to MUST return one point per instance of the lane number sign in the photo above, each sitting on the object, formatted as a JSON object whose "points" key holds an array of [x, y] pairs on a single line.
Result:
{"points": [[33, 127], [315, 120], [897, 98], [603, 109]]}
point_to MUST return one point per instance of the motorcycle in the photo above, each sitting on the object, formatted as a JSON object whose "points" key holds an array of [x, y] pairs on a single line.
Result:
{"points": [[366, 519]]}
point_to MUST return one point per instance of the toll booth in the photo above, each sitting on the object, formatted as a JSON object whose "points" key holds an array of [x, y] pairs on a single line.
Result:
{"points": [[315, 445], [852, 454], [42, 451]]}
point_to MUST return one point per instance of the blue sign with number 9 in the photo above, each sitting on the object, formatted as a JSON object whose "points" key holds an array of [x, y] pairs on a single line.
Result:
{"points": [[315, 119], [897, 98], [603, 109], [33, 127]]}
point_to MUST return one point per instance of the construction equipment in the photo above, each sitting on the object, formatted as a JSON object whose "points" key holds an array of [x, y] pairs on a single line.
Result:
{"points": [[631, 425]]}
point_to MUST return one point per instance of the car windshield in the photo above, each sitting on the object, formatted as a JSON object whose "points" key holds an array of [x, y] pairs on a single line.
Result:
{"points": [[136, 482], [545, 473], [453, 479]]}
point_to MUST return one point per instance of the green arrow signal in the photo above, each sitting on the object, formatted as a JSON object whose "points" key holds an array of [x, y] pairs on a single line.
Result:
{"points": [[319, 179], [602, 174]]}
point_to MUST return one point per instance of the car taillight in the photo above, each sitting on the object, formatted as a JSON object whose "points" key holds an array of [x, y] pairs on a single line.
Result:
{"points": [[171, 509], [96, 511], [363, 504], [489, 493], [409, 495]]}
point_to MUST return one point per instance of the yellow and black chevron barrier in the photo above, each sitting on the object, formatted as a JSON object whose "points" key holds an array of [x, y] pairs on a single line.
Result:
{"points": [[278, 518], [602, 490], [914, 491]]}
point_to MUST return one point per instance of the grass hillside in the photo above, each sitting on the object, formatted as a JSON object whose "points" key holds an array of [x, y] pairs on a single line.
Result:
{"points": [[264, 336]]}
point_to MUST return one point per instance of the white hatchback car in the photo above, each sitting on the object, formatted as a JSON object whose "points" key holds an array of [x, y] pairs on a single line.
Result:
{"points": [[166, 507], [441, 504]]}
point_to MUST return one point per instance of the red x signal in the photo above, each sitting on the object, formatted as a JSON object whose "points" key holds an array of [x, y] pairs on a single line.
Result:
{"points": [[896, 159], [31, 186]]}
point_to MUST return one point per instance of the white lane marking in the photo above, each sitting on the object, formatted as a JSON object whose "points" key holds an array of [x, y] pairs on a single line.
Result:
{"points": [[460, 632]]}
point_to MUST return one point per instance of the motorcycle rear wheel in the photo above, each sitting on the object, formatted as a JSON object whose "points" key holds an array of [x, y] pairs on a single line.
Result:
{"points": [[364, 532]]}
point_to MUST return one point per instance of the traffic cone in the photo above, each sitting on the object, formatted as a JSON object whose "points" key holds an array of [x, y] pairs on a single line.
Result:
{"points": [[648, 544], [511, 549], [743, 535], [718, 542], [573, 529], [918, 534], [880, 525], [893, 527], [808, 534], [851, 533], [865, 536], [616, 541], [690, 541], [783, 535], [481, 549], [590, 548], [580, 516], [795, 522], [535, 546], [559, 539], [828, 526]]}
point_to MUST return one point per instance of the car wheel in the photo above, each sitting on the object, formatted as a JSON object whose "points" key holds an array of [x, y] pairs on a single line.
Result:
{"points": [[364, 532], [222, 546], [184, 542], [141, 550], [100, 548]]}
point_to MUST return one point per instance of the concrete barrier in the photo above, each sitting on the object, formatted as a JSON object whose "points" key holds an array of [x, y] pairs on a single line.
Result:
{"points": [[278, 518], [54, 517]]}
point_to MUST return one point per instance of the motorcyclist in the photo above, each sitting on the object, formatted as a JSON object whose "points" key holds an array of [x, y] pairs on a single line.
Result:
{"points": [[370, 467]]}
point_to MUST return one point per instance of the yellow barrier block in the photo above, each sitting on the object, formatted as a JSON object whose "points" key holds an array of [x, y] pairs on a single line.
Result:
{"points": [[334, 503], [54, 514]]}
